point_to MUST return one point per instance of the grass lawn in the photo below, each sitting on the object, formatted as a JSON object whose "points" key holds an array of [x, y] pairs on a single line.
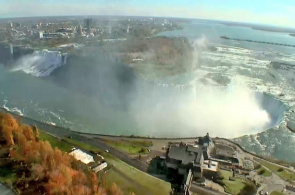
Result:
{"points": [[82, 145], [126, 187], [285, 174], [277, 193], [142, 182], [288, 175], [7, 176], [130, 179], [262, 171], [55, 142], [130, 147], [232, 187]]}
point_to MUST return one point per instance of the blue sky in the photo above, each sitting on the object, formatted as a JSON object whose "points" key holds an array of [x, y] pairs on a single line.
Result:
{"points": [[275, 12]]}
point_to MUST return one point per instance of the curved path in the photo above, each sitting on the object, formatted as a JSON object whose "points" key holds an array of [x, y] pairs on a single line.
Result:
{"points": [[88, 138]]}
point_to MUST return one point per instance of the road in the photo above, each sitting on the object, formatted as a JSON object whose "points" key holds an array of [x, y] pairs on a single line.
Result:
{"points": [[272, 183], [201, 190], [116, 153], [268, 184], [5, 190], [247, 154], [63, 132]]}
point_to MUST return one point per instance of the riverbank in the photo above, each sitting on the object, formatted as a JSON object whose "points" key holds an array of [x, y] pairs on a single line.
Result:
{"points": [[122, 162], [161, 141]]}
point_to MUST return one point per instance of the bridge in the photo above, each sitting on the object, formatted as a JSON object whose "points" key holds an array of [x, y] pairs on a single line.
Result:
{"points": [[253, 41]]}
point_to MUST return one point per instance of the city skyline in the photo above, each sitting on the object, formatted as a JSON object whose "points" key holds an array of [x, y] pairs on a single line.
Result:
{"points": [[262, 12]]}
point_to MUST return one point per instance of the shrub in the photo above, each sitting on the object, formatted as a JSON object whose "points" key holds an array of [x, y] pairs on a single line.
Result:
{"points": [[257, 166], [143, 150], [219, 176], [261, 172], [248, 189], [220, 182]]}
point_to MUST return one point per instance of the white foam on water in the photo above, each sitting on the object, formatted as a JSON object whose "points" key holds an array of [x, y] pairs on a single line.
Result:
{"points": [[14, 110], [40, 63]]}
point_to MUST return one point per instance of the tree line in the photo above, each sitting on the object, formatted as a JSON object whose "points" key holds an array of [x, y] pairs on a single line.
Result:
{"points": [[42, 169]]}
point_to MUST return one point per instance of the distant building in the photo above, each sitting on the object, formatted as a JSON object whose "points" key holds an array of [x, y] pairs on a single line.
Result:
{"points": [[5, 52], [88, 23], [41, 35], [191, 162], [186, 185], [51, 35], [89, 160], [79, 30], [11, 49], [100, 167], [82, 156], [128, 29], [64, 30], [9, 52], [227, 153], [210, 169], [17, 24], [184, 157]]}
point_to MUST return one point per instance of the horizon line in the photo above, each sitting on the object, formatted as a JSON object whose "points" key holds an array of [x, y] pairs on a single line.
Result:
{"points": [[172, 17]]}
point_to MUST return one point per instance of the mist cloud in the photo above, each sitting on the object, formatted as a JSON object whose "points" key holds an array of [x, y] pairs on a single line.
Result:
{"points": [[226, 112], [119, 100], [197, 108]]}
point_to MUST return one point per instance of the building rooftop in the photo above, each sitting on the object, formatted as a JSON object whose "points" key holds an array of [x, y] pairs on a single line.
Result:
{"points": [[100, 167], [225, 151], [82, 156], [210, 165], [186, 154]]}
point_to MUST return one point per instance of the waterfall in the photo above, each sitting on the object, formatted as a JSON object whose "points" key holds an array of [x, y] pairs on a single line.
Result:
{"points": [[40, 63], [275, 108]]}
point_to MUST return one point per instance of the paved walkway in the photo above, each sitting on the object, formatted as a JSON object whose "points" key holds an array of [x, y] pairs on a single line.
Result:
{"points": [[4, 190], [271, 183], [214, 186], [202, 190]]}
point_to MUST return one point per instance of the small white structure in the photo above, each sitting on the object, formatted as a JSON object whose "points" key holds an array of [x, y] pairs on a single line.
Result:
{"points": [[82, 156], [210, 165], [100, 167], [41, 35]]}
